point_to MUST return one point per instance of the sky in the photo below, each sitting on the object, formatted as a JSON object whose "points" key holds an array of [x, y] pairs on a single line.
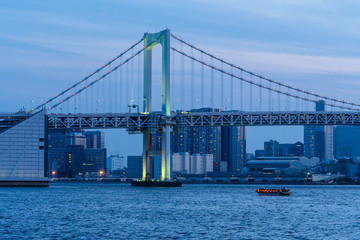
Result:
{"points": [[46, 46]]}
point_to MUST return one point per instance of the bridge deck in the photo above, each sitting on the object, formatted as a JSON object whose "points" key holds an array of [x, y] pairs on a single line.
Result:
{"points": [[138, 121]]}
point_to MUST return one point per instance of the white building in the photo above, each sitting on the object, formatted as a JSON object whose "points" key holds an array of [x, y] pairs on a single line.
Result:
{"points": [[22, 153], [181, 162], [192, 164], [208, 163], [329, 142], [197, 163], [115, 162]]}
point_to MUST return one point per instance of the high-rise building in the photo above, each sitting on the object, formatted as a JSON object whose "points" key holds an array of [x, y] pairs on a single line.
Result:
{"points": [[76, 138], [95, 139], [271, 148], [233, 147], [314, 136], [74, 160], [134, 166], [156, 167], [115, 162], [296, 149], [226, 144], [94, 161], [208, 163], [181, 162], [192, 164], [329, 142], [347, 142], [71, 153]]}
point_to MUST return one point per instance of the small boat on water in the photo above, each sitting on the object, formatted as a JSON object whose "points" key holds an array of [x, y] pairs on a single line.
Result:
{"points": [[273, 192]]}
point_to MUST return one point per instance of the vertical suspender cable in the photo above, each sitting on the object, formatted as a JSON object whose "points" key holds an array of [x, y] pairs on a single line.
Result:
{"points": [[110, 88], [232, 91], [182, 88], [279, 100], [307, 103], [222, 87], [192, 81], [139, 80], [127, 86], [172, 81], [104, 93], [98, 95], [212, 85], [75, 100], [251, 93], [202, 81], [132, 96], [270, 92], [115, 91], [288, 100], [121, 90], [79, 105], [260, 93], [297, 101], [241, 92], [86, 108]]}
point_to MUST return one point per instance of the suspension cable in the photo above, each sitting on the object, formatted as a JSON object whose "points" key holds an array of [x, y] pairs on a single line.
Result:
{"points": [[98, 79], [90, 75], [288, 94], [265, 78]]}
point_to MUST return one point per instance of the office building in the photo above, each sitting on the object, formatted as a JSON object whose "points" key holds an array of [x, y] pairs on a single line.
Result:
{"points": [[192, 164], [74, 161], [115, 163], [259, 153], [23, 152], [347, 167], [271, 148], [208, 163], [72, 154], [76, 138], [233, 147], [296, 149], [156, 167], [95, 139], [94, 161], [329, 142], [181, 162], [226, 144], [347, 142], [134, 166], [314, 136]]}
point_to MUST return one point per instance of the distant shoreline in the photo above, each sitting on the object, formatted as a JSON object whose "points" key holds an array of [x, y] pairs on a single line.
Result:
{"points": [[208, 183]]}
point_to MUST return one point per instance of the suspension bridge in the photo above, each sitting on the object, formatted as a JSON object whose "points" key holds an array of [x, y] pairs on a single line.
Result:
{"points": [[206, 90]]}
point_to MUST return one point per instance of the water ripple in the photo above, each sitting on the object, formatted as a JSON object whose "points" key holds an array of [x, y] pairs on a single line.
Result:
{"points": [[115, 211]]}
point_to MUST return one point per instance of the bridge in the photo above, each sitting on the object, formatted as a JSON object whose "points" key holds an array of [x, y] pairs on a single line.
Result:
{"points": [[206, 90]]}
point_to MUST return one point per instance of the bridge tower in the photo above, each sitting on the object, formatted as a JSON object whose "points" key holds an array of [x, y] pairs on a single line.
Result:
{"points": [[150, 40]]}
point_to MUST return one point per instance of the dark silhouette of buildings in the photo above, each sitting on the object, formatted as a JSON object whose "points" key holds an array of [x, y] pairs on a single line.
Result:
{"points": [[73, 152], [314, 136]]}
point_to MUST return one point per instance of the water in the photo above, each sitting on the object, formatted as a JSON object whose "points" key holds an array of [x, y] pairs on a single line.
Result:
{"points": [[118, 211]]}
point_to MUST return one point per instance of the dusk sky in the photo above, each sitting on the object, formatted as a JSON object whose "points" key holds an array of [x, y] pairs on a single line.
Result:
{"points": [[46, 46]]}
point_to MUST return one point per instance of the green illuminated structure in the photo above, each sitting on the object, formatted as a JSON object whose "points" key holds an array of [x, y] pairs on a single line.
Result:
{"points": [[150, 40]]}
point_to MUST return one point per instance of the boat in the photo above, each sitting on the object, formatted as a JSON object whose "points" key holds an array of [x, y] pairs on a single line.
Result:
{"points": [[273, 192]]}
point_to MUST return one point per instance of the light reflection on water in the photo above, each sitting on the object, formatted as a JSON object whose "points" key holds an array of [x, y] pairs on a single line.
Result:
{"points": [[118, 211]]}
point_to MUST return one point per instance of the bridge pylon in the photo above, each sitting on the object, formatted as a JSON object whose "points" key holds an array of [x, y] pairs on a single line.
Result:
{"points": [[150, 40]]}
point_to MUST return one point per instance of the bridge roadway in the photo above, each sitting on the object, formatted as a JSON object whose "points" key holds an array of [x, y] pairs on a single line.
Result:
{"points": [[139, 121]]}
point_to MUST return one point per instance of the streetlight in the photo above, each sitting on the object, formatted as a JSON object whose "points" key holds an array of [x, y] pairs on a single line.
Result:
{"points": [[131, 106]]}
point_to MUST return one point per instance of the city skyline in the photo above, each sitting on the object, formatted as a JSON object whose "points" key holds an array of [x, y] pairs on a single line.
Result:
{"points": [[183, 119], [59, 33]]}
